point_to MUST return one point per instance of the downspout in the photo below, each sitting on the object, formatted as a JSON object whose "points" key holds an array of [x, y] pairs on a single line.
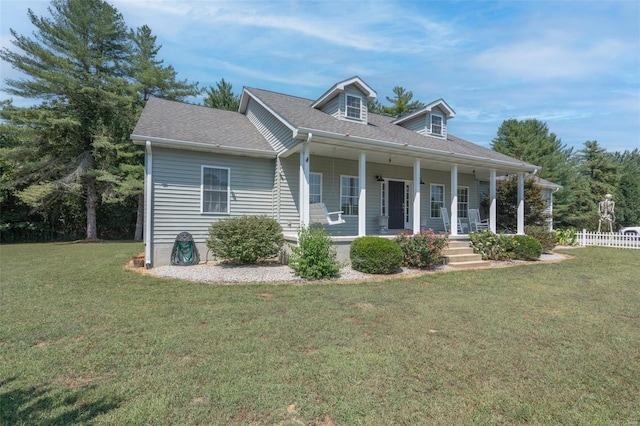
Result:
{"points": [[278, 194], [148, 182]]}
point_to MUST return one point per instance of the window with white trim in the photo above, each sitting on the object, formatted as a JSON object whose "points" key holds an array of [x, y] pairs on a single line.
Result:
{"points": [[349, 194], [436, 124], [315, 188], [463, 201], [436, 198], [215, 190], [354, 107]]}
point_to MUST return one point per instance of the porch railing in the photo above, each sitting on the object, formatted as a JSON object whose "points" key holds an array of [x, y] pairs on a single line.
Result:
{"points": [[607, 239]]}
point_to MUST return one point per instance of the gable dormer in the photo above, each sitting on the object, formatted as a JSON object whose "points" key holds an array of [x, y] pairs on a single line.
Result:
{"points": [[347, 100], [430, 120]]}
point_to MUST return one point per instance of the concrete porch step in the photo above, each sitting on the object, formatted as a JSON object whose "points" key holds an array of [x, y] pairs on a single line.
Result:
{"points": [[461, 256], [481, 264], [455, 259]]}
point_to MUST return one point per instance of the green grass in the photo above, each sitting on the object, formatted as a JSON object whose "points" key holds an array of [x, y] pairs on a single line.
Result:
{"points": [[83, 341]]}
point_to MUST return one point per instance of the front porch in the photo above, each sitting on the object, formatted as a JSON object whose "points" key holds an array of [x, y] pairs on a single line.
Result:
{"points": [[386, 190]]}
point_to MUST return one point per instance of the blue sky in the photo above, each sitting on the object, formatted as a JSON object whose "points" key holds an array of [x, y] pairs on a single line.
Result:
{"points": [[572, 64]]}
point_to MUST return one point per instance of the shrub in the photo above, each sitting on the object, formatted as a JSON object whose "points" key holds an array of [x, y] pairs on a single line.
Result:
{"points": [[525, 247], [246, 239], [491, 246], [546, 238], [567, 237], [314, 258], [375, 255], [423, 250]]}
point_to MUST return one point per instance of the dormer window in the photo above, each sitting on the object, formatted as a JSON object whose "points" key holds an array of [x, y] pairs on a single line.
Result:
{"points": [[354, 107], [436, 124]]}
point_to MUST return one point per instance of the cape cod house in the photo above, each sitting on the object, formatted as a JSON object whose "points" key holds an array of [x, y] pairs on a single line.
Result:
{"points": [[279, 155]]}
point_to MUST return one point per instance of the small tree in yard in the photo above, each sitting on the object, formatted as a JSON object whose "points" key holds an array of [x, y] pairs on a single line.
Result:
{"points": [[314, 258]]}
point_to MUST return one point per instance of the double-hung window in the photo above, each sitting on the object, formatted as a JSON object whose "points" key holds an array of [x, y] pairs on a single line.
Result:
{"points": [[463, 201], [436, 124], [315, 188], [437, 199], [354, 107], [215, 190], [349, 194]]}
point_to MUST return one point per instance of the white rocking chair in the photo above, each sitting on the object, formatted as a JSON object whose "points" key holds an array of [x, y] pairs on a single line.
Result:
{"points": [[318, 213], [447, 223], [475, 223]]}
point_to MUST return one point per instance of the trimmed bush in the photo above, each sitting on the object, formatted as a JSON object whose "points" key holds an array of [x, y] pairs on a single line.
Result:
{"points": [[423, 250], [246, 240], [546, 238], [314, 258], [375, 255], [525, 247]]}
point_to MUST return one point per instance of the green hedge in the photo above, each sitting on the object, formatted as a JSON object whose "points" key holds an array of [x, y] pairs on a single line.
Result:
{"points": [[548, 239], [505, 247], [246, 240], [375, 255]]}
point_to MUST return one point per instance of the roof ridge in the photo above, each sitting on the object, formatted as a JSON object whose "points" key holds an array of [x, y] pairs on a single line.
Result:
{"points": [[277, 93]]}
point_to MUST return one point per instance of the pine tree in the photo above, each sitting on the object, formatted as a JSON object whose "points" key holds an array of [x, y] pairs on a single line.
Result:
{"points": [[530, 140], [401, 104], [222, 97], [76, 64]]}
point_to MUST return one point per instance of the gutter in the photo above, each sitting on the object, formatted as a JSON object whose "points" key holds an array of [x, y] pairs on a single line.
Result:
{"points": [[201, 146], [148, 191], [416, 151]]}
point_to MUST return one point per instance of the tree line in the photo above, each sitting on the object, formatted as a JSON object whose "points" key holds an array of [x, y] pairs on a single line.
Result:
{"points": [[68, 169]]}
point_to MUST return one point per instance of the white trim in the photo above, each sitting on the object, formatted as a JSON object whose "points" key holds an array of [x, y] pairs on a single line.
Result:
{"points": [[244, 103], [431, 185], [345, 214], [201, 146], [454, 200], [493, 215], [202, 168]]}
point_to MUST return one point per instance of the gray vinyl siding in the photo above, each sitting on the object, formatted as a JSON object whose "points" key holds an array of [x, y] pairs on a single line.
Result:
{"points": [[417, 124], [333, 107], [279, 136], [177, 197], [289, 188]]}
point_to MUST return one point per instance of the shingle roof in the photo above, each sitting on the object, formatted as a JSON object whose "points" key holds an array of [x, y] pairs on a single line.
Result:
{"points": [[182, 122], [298, 112]]}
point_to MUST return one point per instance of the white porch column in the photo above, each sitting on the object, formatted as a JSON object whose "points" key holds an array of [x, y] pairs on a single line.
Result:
{"points": [[454, 199], [493, 212], [416, 196], [520, 230], [362, 198], [304, 183], [148, 206]]}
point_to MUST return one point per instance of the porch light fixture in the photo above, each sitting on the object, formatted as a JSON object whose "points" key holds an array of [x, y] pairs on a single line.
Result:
{"points": [[421, 182], [379, 178]]}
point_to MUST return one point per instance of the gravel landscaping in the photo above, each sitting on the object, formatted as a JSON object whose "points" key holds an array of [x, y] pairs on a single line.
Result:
{"points": [[215, 272]]}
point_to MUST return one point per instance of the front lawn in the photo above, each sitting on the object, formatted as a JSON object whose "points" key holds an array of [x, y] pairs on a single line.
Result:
{"points": [[84, 341]]}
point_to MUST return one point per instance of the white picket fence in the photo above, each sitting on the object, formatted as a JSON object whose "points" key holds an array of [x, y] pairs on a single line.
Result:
{"points": [[606, 239]]}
